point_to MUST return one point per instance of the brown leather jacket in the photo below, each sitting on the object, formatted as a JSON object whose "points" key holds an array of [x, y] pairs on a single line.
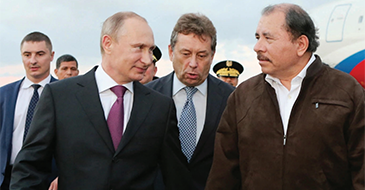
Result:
{"points": [[325, 138]]}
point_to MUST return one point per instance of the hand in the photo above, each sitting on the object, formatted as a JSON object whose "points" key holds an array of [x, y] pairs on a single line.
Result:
{"points": [[54, 185]]}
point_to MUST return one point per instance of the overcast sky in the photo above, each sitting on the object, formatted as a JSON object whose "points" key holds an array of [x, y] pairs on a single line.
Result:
{"points": [[74, 28]]}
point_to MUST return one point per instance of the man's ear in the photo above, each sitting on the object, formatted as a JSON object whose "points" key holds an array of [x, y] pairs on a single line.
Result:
{"points": [[52, 55], [171, 55], [302, 45], [155, 70], [107, 44]]}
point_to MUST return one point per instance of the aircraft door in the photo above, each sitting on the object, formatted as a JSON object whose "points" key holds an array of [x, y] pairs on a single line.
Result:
{"points": [[336, 23]]}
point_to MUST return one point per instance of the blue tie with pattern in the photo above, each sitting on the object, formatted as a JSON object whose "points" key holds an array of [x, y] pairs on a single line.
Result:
{"points": [[32, 104], [187, 124]]}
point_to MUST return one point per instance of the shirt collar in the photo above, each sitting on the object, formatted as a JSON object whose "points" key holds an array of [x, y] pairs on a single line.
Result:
{"points": [[178, 85], [270, 79], [105, 82], [27, 83], [303, 73]]}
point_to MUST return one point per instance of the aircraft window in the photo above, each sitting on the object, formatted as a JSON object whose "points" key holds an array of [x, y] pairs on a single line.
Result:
{"points": [[360, 19]]}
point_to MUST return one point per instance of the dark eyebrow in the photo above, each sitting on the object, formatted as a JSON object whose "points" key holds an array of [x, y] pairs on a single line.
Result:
{"points": [[36, 52], [266, 34], [204, 51], [183, 49]]}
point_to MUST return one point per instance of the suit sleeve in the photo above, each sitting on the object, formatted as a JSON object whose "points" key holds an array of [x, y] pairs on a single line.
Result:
{"points": [[356, 142], [173, 164], [34, 162], [224, 173]]}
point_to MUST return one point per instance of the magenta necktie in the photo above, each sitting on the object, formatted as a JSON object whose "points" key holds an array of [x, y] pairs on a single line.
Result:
{"points": [[116, 116]]}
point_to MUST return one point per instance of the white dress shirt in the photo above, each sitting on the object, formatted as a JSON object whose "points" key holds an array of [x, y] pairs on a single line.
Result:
{"points": [[286, 98], [199, 100], [21, 108], [107, 97]]}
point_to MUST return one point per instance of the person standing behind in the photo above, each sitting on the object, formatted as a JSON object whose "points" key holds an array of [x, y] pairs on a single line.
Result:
{"points": [[299, 124], [104, 129], [228, 71], [200, 98], [18, 99], [152, 69], [66, 66]]}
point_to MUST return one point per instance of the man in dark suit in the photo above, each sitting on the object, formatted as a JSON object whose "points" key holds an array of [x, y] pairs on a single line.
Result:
{"points": [[100, 138], [191, 50], [37, 54]]}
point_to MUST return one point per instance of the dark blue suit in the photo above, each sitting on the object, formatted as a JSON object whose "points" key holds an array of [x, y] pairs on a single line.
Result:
{"points": [[8, 97], [201, 161]]}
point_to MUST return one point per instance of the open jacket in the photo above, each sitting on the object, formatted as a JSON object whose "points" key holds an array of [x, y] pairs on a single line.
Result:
{"points": [[325, 139]]}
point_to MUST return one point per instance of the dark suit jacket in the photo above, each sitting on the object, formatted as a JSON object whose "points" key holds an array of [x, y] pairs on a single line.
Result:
{"points": [[8, 97], [69, 122], [201, 161]]}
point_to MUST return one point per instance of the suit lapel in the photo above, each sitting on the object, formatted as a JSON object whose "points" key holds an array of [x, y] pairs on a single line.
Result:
{"points": [[11, 97], [166, 85], [88, 96], [10, 109], [140, 110], [214, 103], [53, 79]]}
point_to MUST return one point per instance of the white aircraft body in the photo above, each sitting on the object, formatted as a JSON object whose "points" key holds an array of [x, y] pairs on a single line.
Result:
{"points": [[341, 27]]}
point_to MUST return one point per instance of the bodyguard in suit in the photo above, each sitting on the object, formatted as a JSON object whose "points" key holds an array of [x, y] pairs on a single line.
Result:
{"points": [[18, 99], [105, 129], [191, 50]]}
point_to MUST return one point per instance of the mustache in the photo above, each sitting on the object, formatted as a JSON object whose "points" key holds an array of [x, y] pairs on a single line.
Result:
{"points": [[262, 57]]}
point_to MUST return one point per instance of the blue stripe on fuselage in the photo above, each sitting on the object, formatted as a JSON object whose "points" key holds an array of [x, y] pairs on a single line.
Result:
{"points": [[349, 63]]}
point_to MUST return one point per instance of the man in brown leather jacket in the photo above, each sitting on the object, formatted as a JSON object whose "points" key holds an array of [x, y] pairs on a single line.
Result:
{"points": [[298, 125]]}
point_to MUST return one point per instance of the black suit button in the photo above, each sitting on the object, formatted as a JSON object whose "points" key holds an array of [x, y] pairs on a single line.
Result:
{"points": [[114, 160]]}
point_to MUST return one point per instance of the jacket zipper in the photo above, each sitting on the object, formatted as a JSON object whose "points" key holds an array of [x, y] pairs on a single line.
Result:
{"points": [[284, 139]]}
